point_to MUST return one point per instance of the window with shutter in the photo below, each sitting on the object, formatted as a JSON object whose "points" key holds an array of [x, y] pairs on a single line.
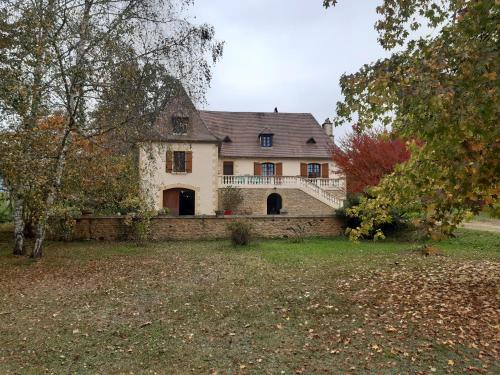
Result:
{"points": [[313, 170], [267, 169], [179, 161]]}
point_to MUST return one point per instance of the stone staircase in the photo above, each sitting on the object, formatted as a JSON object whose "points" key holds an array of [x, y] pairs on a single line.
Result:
{"points": [[319, 193]]}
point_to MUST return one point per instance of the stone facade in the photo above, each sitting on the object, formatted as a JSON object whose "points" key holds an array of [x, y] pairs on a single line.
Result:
{"points": [[295, 202], [202, 228], [202, 180]]}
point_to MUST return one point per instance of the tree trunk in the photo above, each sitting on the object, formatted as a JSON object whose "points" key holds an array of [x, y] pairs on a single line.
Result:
{"points": [[18, 205], [74, 104], [36, 253], [41, 227]]}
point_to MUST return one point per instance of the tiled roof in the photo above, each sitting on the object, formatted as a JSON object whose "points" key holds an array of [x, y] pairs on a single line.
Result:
{"points": [[291, 133], [180, 105]]}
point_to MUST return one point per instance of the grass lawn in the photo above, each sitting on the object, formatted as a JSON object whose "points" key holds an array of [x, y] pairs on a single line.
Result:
{"points": [[324, 306]]}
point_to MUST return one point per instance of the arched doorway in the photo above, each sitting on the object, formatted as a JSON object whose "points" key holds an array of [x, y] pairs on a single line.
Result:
{"points": [[274, 204], [179, 201]]}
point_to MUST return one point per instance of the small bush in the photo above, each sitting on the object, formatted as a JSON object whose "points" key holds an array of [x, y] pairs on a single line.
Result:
{"points": [[399, 220], [240, 233], [231, 197], [297, 234], [138, 218]]}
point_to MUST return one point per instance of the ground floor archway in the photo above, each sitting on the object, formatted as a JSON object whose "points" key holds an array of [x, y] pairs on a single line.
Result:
{"points": [[179, 201], [274, 204]]}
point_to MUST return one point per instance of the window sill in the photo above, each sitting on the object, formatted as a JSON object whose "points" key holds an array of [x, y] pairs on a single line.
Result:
{"points": [[179, 173]]}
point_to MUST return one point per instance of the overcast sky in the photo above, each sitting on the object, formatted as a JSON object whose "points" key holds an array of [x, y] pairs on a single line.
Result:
{"points": [[288, 54]]}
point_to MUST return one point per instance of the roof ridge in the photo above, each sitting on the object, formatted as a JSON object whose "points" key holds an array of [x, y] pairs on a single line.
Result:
{"points": [[256, 112]]}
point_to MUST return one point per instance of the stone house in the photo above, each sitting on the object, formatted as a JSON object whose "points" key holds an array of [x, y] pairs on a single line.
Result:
{"points": [[281, 162]]}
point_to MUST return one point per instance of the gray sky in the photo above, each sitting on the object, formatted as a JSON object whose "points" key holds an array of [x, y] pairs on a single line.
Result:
{"points": [[288, 54]]}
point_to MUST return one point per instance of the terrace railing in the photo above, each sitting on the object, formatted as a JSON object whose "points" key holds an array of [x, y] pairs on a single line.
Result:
{"points": [[316, 187]]}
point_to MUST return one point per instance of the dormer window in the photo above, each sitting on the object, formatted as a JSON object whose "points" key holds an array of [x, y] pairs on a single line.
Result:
{"points": [[227, 139], [180, 124], [266, 140], [311, 141]]}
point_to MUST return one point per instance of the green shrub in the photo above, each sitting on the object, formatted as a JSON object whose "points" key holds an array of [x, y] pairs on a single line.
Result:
{"points": [[62, 221], [399, 220], [5, 211], [138, 218], [240, 233]]}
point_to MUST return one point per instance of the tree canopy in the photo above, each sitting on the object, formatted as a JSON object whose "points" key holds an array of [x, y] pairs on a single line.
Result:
{"points": [[443, 90], [100, 66], [365, 157]]}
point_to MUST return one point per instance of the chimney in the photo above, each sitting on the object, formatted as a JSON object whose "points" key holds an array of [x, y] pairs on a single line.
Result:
{"points": [[328, 128]]}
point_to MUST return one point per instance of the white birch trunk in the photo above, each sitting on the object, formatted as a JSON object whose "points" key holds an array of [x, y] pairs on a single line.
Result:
{"points": [[74, 103], [41, 227], [19, 224]]}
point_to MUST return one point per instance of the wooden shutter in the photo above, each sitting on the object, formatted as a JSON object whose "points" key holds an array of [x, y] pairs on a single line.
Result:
{"points": [[303, 169], [189, 161], [170, 161], [325, 170], [257, 169], [279, 169]]}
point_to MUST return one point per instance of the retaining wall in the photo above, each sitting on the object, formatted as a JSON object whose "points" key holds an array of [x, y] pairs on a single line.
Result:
{"points": [[196, 228]]}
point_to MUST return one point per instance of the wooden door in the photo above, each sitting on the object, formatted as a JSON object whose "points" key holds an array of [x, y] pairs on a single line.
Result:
{"points": [[171, 200]]}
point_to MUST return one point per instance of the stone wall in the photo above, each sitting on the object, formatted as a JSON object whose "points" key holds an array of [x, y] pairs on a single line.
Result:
{"points": [[295, 201], [198, 228]]}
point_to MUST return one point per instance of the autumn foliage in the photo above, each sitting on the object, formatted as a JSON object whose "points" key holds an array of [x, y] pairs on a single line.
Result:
{"points": [[367, 156], [99, 174]]}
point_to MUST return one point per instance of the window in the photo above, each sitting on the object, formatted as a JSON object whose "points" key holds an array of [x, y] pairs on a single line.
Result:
{"points": [[313, 170], [180, 124], [266, 140], [267, 169], [179, 161], [228, 168]]}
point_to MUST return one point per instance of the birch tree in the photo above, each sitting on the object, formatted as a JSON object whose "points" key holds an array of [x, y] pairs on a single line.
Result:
{"points": [[66, 57]]}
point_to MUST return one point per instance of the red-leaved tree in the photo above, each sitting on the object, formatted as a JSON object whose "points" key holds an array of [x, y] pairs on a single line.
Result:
{"points": [[365, 157]]}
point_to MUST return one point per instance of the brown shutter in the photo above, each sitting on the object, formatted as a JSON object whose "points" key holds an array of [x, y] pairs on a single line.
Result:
{"points": [[325, 170], [257, 169], [279, 169], [170, 161], [303, 169], [189, 161]]}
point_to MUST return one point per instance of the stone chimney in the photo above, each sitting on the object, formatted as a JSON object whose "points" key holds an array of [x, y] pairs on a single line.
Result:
{"points": [[328, 128]]}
